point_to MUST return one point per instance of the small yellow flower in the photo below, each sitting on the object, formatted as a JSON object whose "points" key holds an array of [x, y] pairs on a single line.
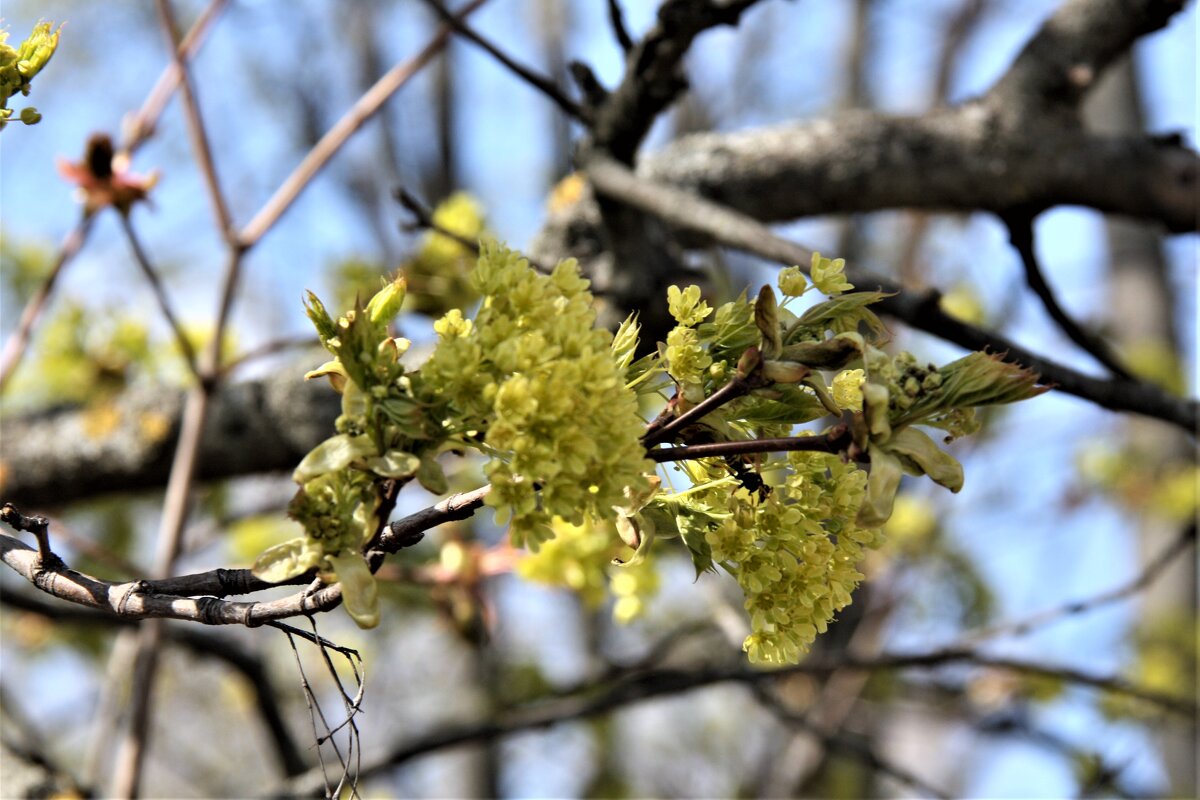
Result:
{"points": [[847, 389]]}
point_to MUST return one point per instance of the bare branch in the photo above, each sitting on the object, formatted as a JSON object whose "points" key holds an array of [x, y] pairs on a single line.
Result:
{"points": [[1149, 574], [1065, 58], [836, 742], [195, 126], [1020, 232], [731, 229], [160, 294], [543, 84], [362, 110], [18, 341], [639, 685], [616, 19]]}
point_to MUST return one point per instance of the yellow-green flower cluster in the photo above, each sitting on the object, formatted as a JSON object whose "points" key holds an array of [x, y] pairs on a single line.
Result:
{"points": [[795, 553], [586, 559], [18, 66], [535, 378]]}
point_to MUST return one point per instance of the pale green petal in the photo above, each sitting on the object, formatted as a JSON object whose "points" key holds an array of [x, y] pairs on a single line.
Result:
{"points": [[360, 593], [912, 445], [333, 454], [287, 560]]}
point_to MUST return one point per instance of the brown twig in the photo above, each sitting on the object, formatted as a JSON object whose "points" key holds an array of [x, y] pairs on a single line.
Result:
{"points": [[1020, 233], [18, 341], [39, 526], [539, 82], [836, 441], [363, 109], [160, 294]]}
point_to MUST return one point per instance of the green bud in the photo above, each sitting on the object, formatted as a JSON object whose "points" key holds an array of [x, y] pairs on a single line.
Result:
{"points": [[920, 456], [30, 116], [785, 371], [832, 353], [385, 305], [315, 309], [287, 560], [766, 317], [882, 485]]}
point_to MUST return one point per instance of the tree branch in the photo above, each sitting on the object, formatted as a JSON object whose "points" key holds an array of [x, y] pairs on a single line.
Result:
{"points": [[1020, 232], [590, 700], [203, 644], [544, 85], [1067, 55], [724, 226]]}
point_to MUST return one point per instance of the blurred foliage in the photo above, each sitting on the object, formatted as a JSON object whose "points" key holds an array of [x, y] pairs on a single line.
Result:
{"points": [[438, 274], [1142, 480], [24, 266], [1158, 362], [1164, 660]]}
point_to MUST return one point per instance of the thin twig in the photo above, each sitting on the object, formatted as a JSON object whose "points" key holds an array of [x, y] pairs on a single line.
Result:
{"points": [[273, 347], [833, 442], [39, 526], [831, 740], [18, 341], [160, 294], [141, 126], [1143, 580], [423, 219], [1020, 233], [659, 431], [616, 19], [195, 126], [539, 82], [362, 110]]}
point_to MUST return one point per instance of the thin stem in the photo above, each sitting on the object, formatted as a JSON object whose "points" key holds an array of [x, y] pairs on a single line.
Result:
{"points": [[18, 342], [1020, 233], [195, 126], [362, 110], [542, 84], [616, 19], [659, 431], [835, 441], [160, 294], [1143, 580], [142, 125], [273, 347]]}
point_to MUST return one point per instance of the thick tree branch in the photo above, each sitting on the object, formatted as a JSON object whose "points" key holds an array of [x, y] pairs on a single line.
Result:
{"points": [[957, 159], [653, 78], [724, 226], [200, 643], [51, 459], [1064, 60]]}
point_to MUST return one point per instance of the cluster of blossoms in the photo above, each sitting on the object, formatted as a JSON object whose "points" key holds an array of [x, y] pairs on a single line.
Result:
{"points": [[795, 553], [582, 558], [535, 377], [552, 403]]}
